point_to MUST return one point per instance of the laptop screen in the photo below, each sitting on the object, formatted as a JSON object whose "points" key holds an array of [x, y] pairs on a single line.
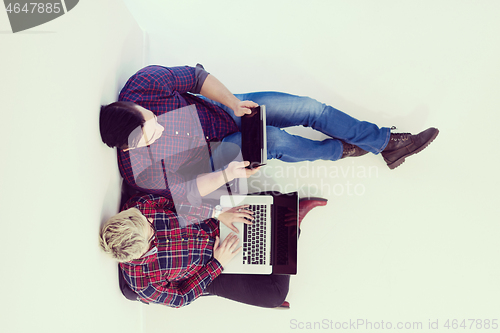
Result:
{"points": [[253, 137]]}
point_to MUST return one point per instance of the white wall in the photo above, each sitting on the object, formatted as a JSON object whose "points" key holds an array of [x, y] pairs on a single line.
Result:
{"points": [[418, 244], [58, 181], [421, 242]]}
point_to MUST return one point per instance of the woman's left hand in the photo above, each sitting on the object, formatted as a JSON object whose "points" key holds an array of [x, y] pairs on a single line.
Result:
{"points": [[236, 214]]}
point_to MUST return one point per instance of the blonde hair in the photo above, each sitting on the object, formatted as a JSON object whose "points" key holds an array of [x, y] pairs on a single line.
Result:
{"points": [[123, 236]]}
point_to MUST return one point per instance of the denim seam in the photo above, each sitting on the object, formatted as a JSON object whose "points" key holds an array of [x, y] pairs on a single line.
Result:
{"points": [[388, 136]]}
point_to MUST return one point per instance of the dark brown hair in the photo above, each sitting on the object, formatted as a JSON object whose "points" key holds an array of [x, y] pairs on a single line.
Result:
{"points": [[117, 120]]}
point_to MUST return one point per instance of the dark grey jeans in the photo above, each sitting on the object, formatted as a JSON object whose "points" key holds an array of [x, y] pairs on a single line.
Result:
{"points": [[268, 291]]}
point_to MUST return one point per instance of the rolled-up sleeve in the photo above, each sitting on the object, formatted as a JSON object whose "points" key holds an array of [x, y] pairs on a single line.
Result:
{"points": [[200, 76]]}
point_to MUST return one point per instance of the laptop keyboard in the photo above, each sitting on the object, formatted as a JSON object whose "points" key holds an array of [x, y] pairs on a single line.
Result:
{"points": [[254, 237]]}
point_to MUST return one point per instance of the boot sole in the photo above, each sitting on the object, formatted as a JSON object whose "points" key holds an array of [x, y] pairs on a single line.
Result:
{"points": [[400, 160], [314, 198]]}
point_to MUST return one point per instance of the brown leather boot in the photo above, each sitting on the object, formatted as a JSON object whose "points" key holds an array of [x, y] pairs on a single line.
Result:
{"points": [[402, 145], [352, 150]]}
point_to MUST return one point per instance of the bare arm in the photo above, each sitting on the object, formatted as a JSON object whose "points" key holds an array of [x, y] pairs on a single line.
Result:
{"points": [[216, 91], [209, 182]]}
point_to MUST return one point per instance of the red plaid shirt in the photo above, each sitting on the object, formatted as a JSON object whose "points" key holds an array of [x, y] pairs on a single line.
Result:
{"points": [[183, 265], [155, 169]]}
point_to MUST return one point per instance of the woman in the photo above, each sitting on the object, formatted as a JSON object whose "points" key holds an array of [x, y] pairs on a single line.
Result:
{"points": [[172, 260]]}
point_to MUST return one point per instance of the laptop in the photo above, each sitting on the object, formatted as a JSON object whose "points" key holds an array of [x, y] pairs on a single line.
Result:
{"points": [[269, 246], [254, 137]]}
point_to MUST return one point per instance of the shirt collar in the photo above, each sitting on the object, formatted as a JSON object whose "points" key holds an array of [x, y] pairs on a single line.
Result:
{"points": [[146, 258]]}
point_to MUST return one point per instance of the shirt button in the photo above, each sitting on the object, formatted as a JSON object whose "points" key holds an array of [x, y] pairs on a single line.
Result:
{"points": [[176, 132], [206, 137], [188, 134]]}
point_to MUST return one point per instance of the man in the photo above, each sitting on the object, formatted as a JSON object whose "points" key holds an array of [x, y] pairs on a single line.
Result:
{"points": [[157, 166], [168, 261]]}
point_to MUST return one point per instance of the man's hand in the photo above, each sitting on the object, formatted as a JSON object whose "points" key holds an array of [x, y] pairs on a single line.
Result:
{"points": [[239, 170], [244, 107], [227, 249], [209, 182], [216, 91], [235, 214]]}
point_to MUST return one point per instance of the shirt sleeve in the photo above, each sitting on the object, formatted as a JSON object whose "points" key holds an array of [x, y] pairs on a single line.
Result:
{"points": [[182, 293], [204, 211], [201, 75], [174, 185], [153, 83], [191, 213]]}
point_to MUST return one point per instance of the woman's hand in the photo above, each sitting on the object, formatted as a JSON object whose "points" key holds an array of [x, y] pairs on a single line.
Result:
{"points": [[244, 107], [236, 214], [226, 251]]}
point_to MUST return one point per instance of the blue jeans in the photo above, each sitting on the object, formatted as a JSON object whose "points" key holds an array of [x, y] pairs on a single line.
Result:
{"points": [[285, 110]]}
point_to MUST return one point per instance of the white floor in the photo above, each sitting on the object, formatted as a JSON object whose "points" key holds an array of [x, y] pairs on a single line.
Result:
{"points": [[418, 244]]}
